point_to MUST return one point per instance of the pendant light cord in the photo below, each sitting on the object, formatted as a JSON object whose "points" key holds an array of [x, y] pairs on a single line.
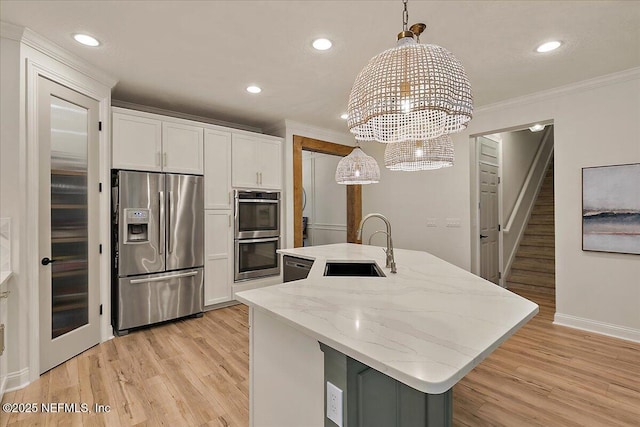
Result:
{"points": [[405, 16]]}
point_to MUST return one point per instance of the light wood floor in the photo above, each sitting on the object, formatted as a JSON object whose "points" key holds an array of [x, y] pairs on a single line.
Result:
{"points": [[195, 372]]}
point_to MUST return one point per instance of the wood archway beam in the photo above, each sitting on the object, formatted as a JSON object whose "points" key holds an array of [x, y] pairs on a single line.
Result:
{"points": [[354, 192]]}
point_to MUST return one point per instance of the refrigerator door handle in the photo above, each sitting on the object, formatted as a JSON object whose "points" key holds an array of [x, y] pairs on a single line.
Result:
{"points": [[163, 278], [161, 223], [170, 221]]}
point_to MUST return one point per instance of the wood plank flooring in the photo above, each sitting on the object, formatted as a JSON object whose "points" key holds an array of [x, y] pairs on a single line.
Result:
{"points": [[195, 372]]}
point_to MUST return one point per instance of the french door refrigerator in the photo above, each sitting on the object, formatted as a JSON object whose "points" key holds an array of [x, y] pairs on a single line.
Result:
{"points": [[158, 245]]}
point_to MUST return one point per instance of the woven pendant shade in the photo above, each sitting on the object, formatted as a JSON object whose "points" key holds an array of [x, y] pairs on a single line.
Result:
{"points": [[410, 92], [357, 168], [419, 155]]}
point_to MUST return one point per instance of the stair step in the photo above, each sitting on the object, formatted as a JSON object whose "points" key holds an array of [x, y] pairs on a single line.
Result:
{"points": [[532, 278], [540, 219], [540, 229], [515, 287], [542, 265], [543, 209], [543, 252], [537, 240]]}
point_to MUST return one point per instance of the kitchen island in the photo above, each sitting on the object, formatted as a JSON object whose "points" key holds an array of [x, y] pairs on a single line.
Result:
{"points": [[422, 329]]}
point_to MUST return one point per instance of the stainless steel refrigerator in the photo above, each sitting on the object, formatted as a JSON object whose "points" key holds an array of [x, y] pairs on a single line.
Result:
{"points": [[158, 248]]}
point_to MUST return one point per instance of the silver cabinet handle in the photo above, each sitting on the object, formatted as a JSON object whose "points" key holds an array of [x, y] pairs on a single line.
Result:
{"points": [[257, 177], [165, 158], [163, 278], [160, 223], [229, 197], [158, 161], [229, 216], [170, 222], [5, 294]]}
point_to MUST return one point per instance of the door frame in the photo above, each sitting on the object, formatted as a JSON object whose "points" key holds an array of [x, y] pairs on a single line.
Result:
{"points": [[66, 71], [354, 192]]}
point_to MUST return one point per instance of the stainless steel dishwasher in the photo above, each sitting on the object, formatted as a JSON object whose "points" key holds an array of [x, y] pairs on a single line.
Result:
{"points": [[295, 268]]}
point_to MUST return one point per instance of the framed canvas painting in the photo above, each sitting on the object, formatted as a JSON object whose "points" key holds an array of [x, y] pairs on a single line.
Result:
{"points": [[611, 209]]}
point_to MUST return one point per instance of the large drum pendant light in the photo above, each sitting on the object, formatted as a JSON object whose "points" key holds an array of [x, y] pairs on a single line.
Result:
{"points": [[410, 92]]}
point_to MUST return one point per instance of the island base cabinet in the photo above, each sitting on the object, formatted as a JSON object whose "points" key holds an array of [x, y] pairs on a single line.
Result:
{"points": [[373, 399], [286, 375]]}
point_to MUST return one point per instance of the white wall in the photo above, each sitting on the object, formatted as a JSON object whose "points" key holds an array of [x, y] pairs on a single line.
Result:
{"points": [[13, 205], [595, 123], [410, 200], [518, 151]]}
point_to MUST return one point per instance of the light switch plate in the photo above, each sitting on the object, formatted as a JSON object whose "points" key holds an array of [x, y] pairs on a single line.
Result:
{"points": [[334, 404]]}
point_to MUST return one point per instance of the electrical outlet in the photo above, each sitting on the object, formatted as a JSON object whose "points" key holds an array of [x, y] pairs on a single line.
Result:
{"points": [[454, 222], [334, 404], [431, 222]]}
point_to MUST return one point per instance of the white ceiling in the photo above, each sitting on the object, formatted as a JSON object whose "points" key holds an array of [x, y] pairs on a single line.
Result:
{"points": [[198, 57]]}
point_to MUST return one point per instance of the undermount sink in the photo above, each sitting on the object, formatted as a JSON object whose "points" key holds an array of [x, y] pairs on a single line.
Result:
{"points": [[359, 269]]}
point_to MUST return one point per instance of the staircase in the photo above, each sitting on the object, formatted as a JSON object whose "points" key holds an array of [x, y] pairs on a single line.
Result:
{"points": [[534, 265]]}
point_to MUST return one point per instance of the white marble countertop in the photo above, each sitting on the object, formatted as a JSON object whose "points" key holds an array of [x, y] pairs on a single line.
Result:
{"points": [[426, 326]]}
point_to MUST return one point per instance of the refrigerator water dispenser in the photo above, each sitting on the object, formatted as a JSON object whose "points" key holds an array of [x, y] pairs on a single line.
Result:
{"points": [[137, 221]]}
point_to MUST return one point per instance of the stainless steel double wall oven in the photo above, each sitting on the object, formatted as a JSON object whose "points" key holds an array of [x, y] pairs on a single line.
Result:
{"points": [[257, 233]]}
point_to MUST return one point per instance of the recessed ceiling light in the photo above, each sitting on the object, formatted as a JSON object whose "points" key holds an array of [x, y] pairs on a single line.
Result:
{"points": [[548, 46], [253, 89], [86, 40], [344, 116], [536, 128], [322, 44]]}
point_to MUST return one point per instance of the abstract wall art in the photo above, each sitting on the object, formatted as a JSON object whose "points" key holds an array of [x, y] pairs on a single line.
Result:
{"points": [[611, 209]]}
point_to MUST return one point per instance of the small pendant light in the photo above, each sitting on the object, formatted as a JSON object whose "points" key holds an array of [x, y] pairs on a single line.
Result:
{"points": [[357, 168], [419, 155]]}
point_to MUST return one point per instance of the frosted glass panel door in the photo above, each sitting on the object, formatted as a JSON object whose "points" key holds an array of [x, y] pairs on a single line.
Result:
{"points": [[68, 167]]}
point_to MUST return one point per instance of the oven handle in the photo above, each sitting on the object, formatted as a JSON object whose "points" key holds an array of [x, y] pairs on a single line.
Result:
{"points": [[262, 240], [257, 201]]}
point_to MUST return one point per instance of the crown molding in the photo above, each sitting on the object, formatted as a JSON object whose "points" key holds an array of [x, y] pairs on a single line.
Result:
{"points": [[11, 31], [178, 115], [304, 129], [36, 41], [584, 85]]}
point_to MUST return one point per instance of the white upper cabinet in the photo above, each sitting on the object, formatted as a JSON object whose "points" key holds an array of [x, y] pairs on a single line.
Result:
{"points": [[137, 143], [143, 142], [217, 169], [182, 147], [256, 162]]}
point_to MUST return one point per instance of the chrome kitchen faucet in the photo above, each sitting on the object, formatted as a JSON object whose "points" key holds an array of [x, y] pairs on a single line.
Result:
{"points": [[391, 263]]}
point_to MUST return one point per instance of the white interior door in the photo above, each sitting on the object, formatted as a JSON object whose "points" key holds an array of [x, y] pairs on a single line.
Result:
{"points": [[68, 223], [489, 216]]}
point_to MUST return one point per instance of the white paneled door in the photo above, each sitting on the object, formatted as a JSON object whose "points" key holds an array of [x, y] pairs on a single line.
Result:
{"points": [[489, 217], [68, 223]]}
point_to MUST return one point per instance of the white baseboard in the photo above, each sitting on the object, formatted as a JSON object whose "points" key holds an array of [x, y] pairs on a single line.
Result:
{"points": [[17, 380], [602, 328]]}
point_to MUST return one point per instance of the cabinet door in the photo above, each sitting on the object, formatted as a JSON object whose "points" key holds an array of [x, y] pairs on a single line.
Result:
{"points": [[244, 161], [218, 264], [137, 143], [270, 157], [217, 170], [182, 147]]}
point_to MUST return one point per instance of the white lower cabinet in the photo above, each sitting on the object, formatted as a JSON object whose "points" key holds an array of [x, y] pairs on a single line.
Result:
{"points": [[218, 263]]}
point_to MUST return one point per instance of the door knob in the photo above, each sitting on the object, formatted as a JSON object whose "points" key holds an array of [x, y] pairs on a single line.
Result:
{"points": [[482, 236], [47, 261]]}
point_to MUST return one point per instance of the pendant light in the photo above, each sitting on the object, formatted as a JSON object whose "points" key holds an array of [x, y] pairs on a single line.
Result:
{"points": [[419, 155], [357, 168], [410, 92]]}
